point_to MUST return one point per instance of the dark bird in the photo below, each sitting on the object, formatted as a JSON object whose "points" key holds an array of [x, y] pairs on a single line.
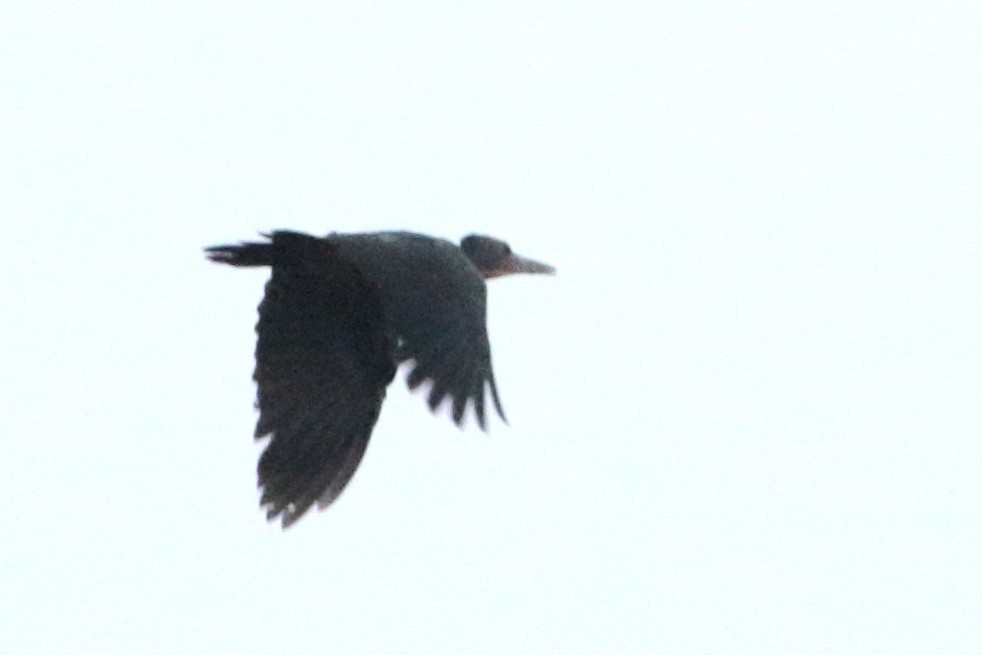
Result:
{"points": [[340, 314]]}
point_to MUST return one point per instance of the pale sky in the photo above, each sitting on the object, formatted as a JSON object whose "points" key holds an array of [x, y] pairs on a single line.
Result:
{"points": [[745, 417]]}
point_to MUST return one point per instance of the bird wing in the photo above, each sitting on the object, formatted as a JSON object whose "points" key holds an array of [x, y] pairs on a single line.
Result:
{"points": [[322, 365], [436, 305], [450, 350]]}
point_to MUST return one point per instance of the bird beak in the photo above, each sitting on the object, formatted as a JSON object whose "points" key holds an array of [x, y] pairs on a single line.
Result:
{"points": [[519, 264]]}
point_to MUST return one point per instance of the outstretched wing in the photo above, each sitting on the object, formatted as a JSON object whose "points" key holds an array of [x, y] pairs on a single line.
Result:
{"points": [[322, 365], [436, 305]]}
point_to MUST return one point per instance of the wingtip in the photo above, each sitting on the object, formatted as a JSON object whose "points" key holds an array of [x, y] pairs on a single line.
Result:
{"points": [[497, 401], [284, 515]]}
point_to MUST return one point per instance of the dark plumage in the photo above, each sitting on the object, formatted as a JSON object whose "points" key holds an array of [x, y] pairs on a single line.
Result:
{"points": [[339, 315]]}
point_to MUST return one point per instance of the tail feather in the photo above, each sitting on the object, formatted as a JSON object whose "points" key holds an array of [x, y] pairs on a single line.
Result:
{"points": [[246, 253], [284, 248]]}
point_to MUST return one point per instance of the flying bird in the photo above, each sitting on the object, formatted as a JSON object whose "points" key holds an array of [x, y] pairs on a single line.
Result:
{"points": [[339, 315]]}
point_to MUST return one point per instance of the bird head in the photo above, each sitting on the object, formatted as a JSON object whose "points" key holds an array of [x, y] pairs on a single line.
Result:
{"points": [[494, 258]]}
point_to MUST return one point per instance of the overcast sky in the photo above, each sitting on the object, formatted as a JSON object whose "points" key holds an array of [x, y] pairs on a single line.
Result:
{"points": [[744, 418]]}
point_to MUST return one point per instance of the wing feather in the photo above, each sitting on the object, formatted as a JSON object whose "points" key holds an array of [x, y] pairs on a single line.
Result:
{"points": [[322, 365], [435, 303]]}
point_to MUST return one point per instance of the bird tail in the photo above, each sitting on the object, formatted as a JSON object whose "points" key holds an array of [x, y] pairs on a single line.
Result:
{"points": [[283, 246], [243, 254]]}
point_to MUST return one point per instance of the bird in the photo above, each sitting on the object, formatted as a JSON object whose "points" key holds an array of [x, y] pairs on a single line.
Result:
{"points": [[339, 315]]}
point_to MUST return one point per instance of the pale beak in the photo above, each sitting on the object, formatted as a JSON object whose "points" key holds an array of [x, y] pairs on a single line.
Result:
{"points": [[518, 264]]}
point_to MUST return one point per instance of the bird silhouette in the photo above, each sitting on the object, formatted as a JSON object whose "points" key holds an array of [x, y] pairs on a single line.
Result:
{"points": [[339, 315]]}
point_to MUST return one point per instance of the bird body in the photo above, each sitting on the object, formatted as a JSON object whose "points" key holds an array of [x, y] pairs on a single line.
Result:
{"points": [[339, 315]]}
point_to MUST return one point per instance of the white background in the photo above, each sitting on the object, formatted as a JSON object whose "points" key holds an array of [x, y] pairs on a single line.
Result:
{"points": [[744, 416]]}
